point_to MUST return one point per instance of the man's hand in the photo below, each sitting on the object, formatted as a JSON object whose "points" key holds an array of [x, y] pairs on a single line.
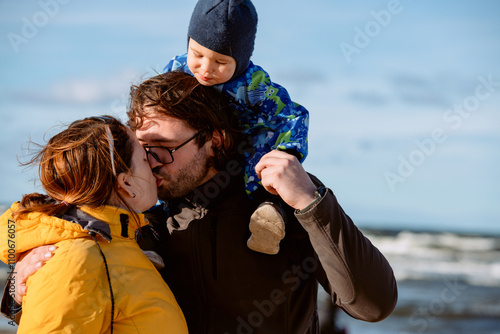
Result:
{"points": [[27, 265], [282, 174]]}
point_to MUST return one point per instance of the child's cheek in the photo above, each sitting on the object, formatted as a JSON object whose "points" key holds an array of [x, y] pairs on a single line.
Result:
{"points": [[190, 63]]}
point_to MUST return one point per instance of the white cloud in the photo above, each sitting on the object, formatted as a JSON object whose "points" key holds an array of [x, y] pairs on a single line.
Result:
{"points": [[81, 91]]}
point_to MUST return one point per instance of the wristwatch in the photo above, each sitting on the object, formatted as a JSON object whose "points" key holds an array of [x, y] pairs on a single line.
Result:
{"points": [[318, 195]]}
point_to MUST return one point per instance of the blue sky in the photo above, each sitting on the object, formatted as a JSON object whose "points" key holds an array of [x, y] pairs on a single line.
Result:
{"points": [[405, 124]]}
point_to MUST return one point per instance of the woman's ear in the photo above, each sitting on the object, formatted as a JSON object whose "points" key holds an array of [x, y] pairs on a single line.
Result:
{"points": [[124, 186]]}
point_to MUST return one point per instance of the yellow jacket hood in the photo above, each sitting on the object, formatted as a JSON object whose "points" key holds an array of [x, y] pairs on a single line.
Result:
{"points": [[37, 229]]}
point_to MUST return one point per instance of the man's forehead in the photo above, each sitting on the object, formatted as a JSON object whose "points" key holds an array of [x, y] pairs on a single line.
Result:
{"points": [[161, 128]]}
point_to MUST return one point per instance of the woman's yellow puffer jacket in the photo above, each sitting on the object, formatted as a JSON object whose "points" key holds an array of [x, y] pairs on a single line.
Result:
{"points": [[71, 294]]}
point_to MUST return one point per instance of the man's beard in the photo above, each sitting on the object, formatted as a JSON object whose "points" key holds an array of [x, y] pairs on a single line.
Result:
{"points": [[186, 179]]}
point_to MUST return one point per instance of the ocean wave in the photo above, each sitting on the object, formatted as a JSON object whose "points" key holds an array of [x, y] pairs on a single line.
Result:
{"points": [[447, 298], [475, 259]]}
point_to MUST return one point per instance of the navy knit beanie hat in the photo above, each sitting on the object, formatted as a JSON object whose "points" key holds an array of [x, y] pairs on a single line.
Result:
{"points": [[227, 27]]}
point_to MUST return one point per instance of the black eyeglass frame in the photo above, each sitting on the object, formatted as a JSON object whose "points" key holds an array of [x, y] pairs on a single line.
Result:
{"points": [[170, 151]]}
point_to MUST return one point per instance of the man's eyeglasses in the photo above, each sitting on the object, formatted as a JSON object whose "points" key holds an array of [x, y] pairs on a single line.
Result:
{"points": [[165, 155]]}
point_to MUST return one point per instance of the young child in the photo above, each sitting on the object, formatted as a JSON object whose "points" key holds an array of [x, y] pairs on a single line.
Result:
{"points": [[221, 38]]}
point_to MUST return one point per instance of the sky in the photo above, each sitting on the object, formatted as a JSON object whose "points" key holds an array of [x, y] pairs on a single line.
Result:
{"points": [[403, 95]]}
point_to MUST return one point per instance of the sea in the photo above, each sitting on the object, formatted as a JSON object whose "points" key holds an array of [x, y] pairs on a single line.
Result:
{"points": [[448, 283]]}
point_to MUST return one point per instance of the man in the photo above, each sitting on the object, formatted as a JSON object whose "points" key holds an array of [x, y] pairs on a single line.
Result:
{"points": [[221, 285]]}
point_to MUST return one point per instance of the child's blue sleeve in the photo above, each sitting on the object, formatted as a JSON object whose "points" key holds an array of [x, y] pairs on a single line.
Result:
{"points": [[177, 63], [269, 117]]}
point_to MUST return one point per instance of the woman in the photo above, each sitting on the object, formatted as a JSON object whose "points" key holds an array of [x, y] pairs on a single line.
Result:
{"points": [[98, 180]]}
